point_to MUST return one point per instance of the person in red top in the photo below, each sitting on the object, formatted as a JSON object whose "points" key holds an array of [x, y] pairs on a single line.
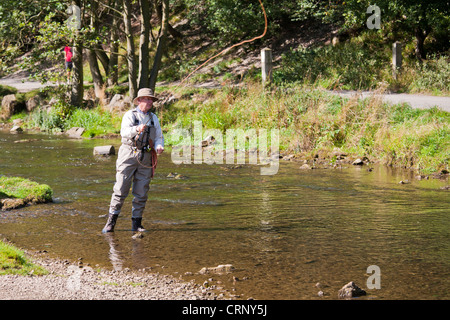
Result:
{"points": [[68, 61]]}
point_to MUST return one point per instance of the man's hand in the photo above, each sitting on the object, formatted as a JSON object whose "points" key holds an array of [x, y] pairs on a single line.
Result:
{"points": [[140, 128], [159, 149]]}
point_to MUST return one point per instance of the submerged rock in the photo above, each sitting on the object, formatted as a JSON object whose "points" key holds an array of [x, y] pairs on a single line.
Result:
{"points": [[137, 235], [305, 167], [223, 268]]}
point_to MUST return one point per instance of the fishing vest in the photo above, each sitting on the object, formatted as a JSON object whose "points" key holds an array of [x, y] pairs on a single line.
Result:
{"points": [[132, 142]]}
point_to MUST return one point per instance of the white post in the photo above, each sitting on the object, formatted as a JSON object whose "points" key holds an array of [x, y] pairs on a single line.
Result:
{"points": [[396, 57], [266, 65]]}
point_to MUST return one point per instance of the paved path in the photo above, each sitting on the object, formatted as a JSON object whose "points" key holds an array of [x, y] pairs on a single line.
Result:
{"points": [[22, 85], [414, 100]]}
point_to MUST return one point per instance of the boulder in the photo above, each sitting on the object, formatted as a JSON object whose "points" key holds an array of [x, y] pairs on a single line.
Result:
{"points": [[17, 122], [75, 132], [208, 141], [358, 162], [10, 105], [119, 103], [33, 103], [16, 129], [351, 290], [104, 151]]}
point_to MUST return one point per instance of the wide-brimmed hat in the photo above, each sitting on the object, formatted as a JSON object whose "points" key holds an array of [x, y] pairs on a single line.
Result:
{"points": [[145, 92]]}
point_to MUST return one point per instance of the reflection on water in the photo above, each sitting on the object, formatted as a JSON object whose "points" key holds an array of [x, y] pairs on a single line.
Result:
{"points": [[282, 233]]}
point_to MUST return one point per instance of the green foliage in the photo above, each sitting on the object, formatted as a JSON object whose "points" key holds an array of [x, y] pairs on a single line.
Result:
{"points": [[348, 66], [432, 74], [94, 121], [230, 21], [51, 119], [5, 90]]}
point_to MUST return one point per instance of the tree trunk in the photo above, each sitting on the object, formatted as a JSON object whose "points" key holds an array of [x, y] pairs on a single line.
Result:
{"points": [[160, 44], [102, 57], [173, 32], [76, 95], [95, 72], [113, 73], [144, 42], [92, 57], [420, 39], [132, 83]]}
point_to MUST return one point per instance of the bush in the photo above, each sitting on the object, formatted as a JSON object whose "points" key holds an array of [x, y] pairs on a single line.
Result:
{"points": [[94, 122], [347, 66], [432, 75], [5, 90]]}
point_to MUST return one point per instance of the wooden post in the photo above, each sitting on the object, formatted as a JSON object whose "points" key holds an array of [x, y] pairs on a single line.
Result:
{"points": [[266, 65], [396, 58]]}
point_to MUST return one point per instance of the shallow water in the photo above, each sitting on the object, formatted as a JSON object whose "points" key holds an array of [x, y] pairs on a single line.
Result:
{"points": [[282, 233]]}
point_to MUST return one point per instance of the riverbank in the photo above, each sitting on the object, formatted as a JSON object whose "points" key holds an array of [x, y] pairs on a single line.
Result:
{"points": [[312, 123], [67, 280]]}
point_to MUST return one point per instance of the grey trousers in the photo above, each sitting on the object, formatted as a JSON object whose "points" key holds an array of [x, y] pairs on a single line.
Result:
{"points": [[130, 172]]}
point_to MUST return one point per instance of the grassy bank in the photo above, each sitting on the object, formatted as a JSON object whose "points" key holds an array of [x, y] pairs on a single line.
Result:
{"points": [[16, 192], [315, 123], [312, 123], [14, 261]]}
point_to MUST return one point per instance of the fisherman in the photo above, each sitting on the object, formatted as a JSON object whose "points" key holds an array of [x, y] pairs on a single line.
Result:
{"points": [[142, 140]]}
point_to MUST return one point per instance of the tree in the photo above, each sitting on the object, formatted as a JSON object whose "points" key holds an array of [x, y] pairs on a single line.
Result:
{"points": [[144, 43], [77, 91], [416, 17], [161, 43], [131, 59], [97, 78]]}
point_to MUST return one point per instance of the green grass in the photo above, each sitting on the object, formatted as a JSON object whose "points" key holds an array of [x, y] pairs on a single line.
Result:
{"points": [[5, 90], [14, 261], [62, 117], [95, 122], [30, 191]]}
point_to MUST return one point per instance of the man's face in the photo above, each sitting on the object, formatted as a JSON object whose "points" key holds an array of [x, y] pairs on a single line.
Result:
{"points": [[145, 104]]}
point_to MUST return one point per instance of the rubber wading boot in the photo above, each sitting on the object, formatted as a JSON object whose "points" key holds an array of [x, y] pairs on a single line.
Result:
{"points": [[136, 225], [109, 227]]}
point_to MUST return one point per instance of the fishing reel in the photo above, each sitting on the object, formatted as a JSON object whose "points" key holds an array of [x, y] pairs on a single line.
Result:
{"points": [[142, 141]]}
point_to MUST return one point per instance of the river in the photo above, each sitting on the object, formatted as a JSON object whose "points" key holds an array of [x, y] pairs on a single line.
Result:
{"points": [[282, 233]]}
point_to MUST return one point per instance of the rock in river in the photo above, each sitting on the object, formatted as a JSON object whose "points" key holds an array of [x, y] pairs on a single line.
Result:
{"points": [[223, 268], [351, 290]]}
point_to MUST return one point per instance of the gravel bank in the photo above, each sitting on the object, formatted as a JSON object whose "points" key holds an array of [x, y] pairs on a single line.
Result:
{"points": [[68, 281]]}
